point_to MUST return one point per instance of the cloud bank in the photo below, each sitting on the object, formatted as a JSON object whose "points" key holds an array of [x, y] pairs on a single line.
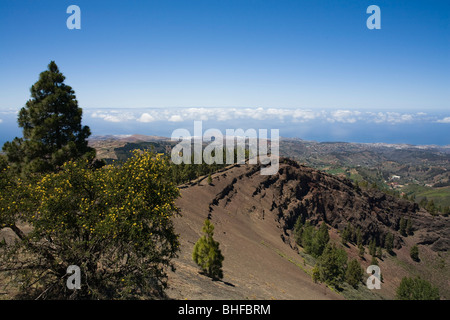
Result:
{"points": [[445, 120], [175, 115]]}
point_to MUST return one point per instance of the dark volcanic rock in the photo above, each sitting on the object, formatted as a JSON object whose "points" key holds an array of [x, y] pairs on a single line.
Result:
{"points": [[317, 196]]}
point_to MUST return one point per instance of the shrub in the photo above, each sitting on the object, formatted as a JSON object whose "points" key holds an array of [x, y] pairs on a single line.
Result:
{"points": [[354, 273], [417, 289], [389, 243], [311, 239], [114, 223], [331, 266], [207, 254], [414, 253]]}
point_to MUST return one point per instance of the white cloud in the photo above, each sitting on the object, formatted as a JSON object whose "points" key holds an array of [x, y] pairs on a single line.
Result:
{"points": [[113, 116], [203, 114], [222, 115], [175, 118], [1, 120], [256, 114], [146, 117], [344, 116], [393, 117], [9, 111], [445, 120], [304, 115], [406, 118], [260, 114]]}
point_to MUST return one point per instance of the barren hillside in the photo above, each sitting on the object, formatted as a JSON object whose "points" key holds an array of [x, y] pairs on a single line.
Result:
{"points": [[254, 216]]}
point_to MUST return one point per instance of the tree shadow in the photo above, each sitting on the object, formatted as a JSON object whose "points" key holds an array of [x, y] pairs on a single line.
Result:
{"points": [[228, 284], [392, 253], [216, 279]]}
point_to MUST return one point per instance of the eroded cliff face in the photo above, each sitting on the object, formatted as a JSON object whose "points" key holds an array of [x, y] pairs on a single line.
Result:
{"points": [[254, 216], [316, 196]]}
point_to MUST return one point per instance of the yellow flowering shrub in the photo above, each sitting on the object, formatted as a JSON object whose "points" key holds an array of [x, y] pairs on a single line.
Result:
{"points": [[115, 223]]}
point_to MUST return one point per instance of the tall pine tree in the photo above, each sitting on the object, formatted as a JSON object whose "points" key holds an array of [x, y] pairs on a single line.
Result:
{"points": [[51, 127]]}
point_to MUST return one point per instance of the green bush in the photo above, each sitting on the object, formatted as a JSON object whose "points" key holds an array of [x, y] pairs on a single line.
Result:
{"points": [[331, 266], [113, 222], [414, 253], [207, 254], [311, 239], [389, 243], [417, 289], [354, 273]]}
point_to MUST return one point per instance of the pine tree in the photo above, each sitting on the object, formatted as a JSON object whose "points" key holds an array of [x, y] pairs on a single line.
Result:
{"points": [[311, 239], [364, 184], [320, 240], [389, 243], [357, 187], [379, 252], [51, 127], [402, 228], [359, 239], [409, 227], [446, 210], [207, 254], [431, 207], [423, 202], [307, 238], [346, 234], [362, 251], [331, 266], [354, 273], [414, 253], [373, 248], [298, 230]]}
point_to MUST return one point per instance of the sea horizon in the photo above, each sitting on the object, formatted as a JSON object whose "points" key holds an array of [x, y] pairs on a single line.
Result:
{"points": [[320, 125]]}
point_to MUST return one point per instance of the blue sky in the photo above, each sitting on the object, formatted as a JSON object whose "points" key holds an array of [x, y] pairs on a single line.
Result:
{"points": [[309, 55], [250, 53]]}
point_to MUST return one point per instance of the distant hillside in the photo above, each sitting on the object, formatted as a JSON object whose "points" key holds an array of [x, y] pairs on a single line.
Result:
{"points": [[413, 164], [119, 148], [421, 172]]}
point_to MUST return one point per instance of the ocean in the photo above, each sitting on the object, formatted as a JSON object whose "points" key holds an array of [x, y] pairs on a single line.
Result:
{"points": [[323, 126]]}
